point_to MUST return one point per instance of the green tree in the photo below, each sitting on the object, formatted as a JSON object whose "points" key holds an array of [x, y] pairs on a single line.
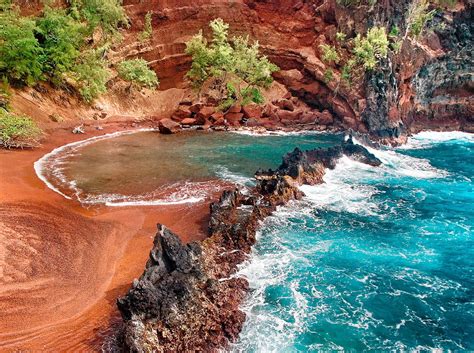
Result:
{"points": [[237, 60], [107, 14], [138, 73], [61, 38], [21, 56], [91, 76]]}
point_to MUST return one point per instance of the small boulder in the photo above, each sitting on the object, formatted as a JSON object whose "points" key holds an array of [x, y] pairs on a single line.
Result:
{"points": [[206, 112], [216, 116], [236, 108], [181, 113], [219, 122], [252, 111], [188, 121], [234, 119], [168, 126]]}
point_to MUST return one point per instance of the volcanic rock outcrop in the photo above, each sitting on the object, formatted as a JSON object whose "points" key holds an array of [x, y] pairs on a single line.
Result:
{"points": [[188, 296]]}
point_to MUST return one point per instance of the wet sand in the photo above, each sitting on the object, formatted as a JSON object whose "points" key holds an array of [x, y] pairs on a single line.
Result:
{"points": [[63, 266]]}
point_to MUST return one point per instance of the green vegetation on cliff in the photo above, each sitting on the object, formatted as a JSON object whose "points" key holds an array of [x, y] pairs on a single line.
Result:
{"points": [[137, 73], [64, 46], [233, 64]]}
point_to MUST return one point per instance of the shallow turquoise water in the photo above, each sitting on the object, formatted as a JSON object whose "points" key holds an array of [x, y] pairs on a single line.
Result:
{"points": [[375, 259]]}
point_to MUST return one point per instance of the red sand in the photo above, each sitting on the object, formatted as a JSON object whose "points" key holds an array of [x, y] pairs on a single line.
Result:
{"points": [[62, 266]]}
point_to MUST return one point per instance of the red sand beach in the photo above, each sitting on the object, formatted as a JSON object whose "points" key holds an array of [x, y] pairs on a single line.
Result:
{"points": [[63, 266]]}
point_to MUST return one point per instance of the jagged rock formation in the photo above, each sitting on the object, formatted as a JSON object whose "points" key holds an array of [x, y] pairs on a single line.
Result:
{"points": [[427, 84], [187, 298]]}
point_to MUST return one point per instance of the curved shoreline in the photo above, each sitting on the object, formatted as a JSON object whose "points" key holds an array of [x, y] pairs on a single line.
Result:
{"points": [[39, 164], [188, 298], [64, 265]]}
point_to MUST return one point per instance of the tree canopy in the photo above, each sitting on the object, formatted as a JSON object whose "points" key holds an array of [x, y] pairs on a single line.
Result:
{"points": [[223, 58]]}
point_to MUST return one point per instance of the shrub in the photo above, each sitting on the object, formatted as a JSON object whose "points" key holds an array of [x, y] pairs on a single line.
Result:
{"points": [[418, 17], [329, 53], [5, 94], [371, 48], [18, 131], [328, 75], [138, 73], [340, 36], [147, 29], [91, 76], [108, 14], [346, 72], [61, 38]]}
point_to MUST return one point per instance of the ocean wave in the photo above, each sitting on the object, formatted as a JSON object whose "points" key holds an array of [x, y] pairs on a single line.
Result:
{"points": [[171, 194], [225, 174], [398, 164], [342, 190], [425, 139]]}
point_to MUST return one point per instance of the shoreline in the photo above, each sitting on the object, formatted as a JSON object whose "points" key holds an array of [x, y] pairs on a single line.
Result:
{"points": [[82, 314], [63, 265]]}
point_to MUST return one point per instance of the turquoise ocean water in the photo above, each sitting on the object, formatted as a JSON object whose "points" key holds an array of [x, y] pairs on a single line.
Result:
{"points": [[373, 259]]}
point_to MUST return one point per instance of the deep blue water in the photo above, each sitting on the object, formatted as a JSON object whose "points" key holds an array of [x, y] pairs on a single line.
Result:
{"points": [[375, 259]]}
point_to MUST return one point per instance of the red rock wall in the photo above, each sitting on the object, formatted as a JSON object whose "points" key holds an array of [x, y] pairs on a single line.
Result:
{"points": [[290, 32]]}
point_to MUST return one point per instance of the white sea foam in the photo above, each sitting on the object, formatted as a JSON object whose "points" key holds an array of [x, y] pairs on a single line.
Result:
{"points": [[427, 138], [240, 179], [398, 164], [342, 190]]}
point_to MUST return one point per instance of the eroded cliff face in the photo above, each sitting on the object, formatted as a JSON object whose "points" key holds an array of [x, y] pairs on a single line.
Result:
{"points": [[428, 84]]}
